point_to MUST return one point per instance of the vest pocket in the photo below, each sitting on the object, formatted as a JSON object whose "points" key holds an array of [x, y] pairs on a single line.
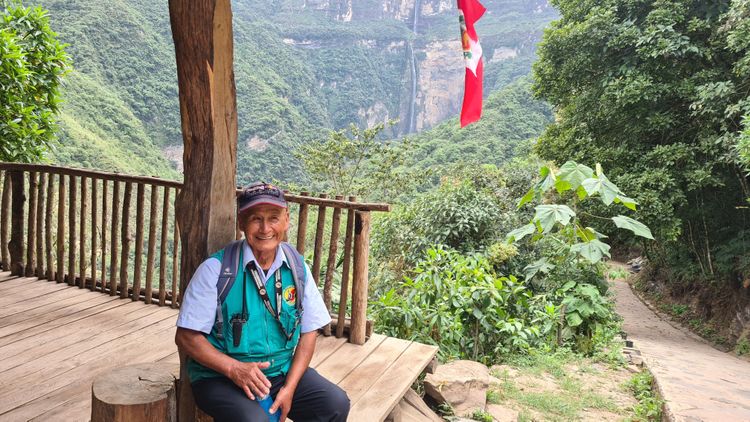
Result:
{"points": [[289, 322]]}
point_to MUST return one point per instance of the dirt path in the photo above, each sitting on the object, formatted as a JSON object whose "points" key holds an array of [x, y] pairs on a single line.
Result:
{"points": [[698, 382]]}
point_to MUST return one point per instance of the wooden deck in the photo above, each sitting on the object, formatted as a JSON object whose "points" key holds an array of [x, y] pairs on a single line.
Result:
{"points": [[54, 339]]}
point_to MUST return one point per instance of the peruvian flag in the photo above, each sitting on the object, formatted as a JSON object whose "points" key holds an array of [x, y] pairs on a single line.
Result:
{"points": [[469, 11]]}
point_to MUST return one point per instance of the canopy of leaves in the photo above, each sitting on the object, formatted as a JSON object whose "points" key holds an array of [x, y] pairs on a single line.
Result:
{"points": [[655, 91], [32, 63]]}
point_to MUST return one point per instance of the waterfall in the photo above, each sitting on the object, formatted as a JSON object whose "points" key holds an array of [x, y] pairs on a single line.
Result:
{"points": [[412, 106]]}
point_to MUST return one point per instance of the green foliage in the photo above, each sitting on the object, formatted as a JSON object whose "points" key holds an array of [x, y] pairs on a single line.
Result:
{"points": [[482, 416], [457, 214], [649, 405], [459, 303], [571, 250], [33, 63], [357, 163], [656, 91], [742, 347]]}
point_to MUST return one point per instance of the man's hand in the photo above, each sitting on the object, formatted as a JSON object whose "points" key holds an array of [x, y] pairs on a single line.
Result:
{"points": [[250, 378], [283, 402]]}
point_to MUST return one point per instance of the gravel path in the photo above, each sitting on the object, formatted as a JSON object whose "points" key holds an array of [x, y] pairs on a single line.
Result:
{"points": [[698, 382]]}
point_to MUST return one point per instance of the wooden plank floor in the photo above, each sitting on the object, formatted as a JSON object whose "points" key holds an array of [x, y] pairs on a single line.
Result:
{"points": [[55, 339]]}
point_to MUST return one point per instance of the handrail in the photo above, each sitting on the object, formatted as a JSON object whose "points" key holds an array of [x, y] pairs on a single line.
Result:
{"points": [[93, 229]]}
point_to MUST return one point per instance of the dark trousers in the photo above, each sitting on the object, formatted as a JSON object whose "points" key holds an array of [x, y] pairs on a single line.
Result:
{"points": [[315, 399]]}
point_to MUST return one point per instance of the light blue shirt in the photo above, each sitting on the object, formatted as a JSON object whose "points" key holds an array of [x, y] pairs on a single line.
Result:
{"points": [[198, 307]]}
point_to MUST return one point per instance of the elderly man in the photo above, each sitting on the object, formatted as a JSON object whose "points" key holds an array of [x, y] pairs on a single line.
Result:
{"points": [[244, 331]]}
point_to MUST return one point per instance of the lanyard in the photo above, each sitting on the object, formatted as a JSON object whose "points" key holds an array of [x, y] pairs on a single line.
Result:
{"points": [[267, 301]]}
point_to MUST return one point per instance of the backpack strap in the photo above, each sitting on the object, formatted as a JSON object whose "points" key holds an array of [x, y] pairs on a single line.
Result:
{"points": [[297, 264], [227, 275]]}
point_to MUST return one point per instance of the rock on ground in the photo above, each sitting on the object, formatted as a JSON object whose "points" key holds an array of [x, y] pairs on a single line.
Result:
{"points": [[462, 384]]}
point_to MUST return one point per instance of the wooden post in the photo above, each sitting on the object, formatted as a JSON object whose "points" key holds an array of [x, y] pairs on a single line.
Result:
{"points": [[39, 226], [4, 222], [140, 197], [344, 296], [15, 246], [72, 233], [331, 264], [82, 245], [31, 230], [151, 245], [48, 226], [202, 33], [104, 235], [319, 232], [94, 230], [359, 285], [163, 248], [113, 238], [125, 238], [60, 239], [302, 226]]}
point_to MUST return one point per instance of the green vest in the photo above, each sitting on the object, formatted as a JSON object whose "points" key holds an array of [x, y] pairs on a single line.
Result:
{"points": [[262, 339]]}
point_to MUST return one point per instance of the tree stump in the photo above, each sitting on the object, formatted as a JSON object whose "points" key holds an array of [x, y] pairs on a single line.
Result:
{"points": [[136, 393]]}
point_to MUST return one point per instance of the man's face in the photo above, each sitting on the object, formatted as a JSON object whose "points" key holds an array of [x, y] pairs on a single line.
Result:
{"points": [[265, 227]]}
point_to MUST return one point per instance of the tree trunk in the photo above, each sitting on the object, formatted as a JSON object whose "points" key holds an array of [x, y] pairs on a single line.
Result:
{"points": [[205, 207], [137, 393]]}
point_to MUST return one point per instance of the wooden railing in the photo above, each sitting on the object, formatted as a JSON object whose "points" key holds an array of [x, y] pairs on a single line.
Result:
{"points": [[117, 234]]}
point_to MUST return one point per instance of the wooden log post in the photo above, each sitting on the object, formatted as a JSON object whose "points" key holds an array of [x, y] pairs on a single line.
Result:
{"points": [[319, 232], [40, 225], [126, 239], [94, 231], [31, 230], [136, 393], [140, 198], [331, 264], [105, 220], [344, 295], [60, 239], [15, 246], [359, 285], [72, 232], [151, 259], [4, 235], [202, 33], [82, 245], [113, 239], [163, 248], [302, 226], [48, 227]]}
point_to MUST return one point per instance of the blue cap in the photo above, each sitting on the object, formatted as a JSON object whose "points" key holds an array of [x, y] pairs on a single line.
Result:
{"points": [[260, 193]]}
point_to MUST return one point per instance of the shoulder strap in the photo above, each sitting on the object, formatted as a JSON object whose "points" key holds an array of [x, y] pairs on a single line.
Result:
{"points": [[227, 275], [297, 264]]}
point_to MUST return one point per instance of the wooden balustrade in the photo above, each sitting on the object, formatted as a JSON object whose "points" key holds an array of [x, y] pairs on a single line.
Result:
{"points": [[90, 229]]}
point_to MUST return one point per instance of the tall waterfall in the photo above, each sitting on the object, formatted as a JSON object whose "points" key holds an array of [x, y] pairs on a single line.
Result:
{"points": [[412, 105]]}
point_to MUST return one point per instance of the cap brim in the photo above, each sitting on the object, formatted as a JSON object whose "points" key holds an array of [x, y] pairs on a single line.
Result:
{"points": [[280, 204]]}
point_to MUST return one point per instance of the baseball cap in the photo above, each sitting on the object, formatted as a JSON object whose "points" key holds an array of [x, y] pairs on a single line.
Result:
{"points": [[260, 193]]}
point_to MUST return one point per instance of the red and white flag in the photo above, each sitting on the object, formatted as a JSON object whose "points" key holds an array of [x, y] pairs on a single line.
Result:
{"points": [[469, 11]]}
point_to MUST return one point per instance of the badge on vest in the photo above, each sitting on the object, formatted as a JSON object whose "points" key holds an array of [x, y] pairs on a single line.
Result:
{"points": [[290, 295]]}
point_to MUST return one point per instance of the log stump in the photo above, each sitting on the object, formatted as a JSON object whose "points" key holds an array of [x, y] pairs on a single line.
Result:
{"points": [[135, 393]]}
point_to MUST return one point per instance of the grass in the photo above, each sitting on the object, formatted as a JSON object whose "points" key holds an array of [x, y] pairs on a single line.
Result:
{"points": [[567, 401], [649, 404], [617, 273]]}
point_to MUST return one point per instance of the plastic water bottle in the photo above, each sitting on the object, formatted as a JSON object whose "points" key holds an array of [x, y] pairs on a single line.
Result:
{"points": [[266, 402]]}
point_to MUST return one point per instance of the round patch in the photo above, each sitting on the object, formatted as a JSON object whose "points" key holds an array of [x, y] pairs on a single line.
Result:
{"points": [[290, 295]]}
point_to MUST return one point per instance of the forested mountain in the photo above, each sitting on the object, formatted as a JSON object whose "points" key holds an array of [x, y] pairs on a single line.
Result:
{"points": [[301, 68]]}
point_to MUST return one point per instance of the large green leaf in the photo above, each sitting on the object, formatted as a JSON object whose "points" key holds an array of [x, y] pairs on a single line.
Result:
{"points": [[593, 251], [575, 173], [548, 215], [520, 233], [540, 265], [635, 226], [548, 179], [527, 198], [573, 319], [628, 202], [607, 190]]}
